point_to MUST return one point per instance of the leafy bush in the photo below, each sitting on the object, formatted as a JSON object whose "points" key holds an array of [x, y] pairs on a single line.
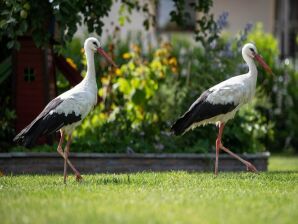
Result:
{"points": [[128, 108], [142, 98], [281, 90]]}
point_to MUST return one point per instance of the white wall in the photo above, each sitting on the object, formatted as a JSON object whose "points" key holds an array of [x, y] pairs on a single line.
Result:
{"points": [[243, 11]]}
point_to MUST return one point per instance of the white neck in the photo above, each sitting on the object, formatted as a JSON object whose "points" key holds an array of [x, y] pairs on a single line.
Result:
{"points": [[253, 72], [90, 76], [251, 76]]}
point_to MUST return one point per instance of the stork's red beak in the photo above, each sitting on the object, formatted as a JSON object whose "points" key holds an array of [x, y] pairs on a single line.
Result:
{"points": [[263, 63], [109, 59]]}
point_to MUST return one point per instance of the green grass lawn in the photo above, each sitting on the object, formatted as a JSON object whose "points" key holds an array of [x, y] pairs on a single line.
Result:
{"points": [[171, 197]]}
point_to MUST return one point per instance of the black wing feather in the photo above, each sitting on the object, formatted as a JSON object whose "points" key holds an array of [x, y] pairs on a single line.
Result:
{"points": [[200, 110], [45, 123]]}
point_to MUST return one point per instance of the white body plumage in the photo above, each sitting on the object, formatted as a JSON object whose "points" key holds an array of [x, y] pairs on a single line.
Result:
{"points": [[81, 99], [67, 110], [220, 103], [237, 90]]}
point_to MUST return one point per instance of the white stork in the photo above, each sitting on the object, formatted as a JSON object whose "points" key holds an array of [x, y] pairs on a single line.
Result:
{"points": [[220, 103], [67, 111]]}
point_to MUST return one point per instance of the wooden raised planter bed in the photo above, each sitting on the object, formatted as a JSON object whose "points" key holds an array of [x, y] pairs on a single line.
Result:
{"points": [[45, 163]]}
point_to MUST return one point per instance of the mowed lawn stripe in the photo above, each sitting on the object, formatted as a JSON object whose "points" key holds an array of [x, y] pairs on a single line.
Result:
{"points": [[168, 197]]}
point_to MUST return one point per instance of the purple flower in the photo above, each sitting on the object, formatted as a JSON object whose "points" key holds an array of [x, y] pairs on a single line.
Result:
{"points": [[243, 35], [222, 21], [226, 51], [248, 27], [213, 44]]}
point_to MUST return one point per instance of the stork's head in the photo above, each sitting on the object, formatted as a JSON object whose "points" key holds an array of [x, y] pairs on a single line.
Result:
{"points": [[93, 45], [249, 51]]}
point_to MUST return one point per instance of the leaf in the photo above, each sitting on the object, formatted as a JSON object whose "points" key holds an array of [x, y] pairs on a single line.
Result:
{"points": [[124, 86], [135, 82], [5, 69], [10, 44], [11, 20], [121, 20], [23, 26], [17, 45], [2, 23], [138, 97]]}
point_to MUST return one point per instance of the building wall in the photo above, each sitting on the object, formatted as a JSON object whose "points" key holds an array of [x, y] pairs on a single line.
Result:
{"points": [[243, 11]]}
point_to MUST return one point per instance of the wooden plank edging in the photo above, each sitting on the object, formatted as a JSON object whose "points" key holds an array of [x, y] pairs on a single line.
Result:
{"points": [[44, 163]]}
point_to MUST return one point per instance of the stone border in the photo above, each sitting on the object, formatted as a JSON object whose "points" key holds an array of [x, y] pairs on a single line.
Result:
{"points": [[46, 163]]}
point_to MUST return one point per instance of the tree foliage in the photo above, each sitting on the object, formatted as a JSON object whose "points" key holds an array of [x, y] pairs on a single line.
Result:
{"points": [[41, 18], [60, 18]]}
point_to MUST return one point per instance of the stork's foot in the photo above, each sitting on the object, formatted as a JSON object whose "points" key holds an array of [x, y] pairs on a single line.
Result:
{"points": [[79, 178], [251, 168], [64, 179]]}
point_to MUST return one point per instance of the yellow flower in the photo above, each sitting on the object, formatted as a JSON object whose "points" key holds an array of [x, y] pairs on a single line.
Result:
{"points": [[136, 48], [71, 63], [161, 74], [173, 61], [101, 92], [126, 55], [118, 72], [105, 80], [158, 53], [174, 70], [167, 45], [156, 65], [103, 116], [164, 61], [161, 52]]}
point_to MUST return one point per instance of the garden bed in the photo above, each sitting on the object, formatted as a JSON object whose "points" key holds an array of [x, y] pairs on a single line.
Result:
{"points": [[45, 163]]}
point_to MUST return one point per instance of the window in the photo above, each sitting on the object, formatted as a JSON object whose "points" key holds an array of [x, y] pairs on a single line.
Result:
{"points": [[29, 75], [163, 17]]}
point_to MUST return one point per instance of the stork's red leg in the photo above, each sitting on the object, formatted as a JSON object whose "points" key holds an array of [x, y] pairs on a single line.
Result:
{"points": [[249, 166], [218, 144], [66, 153], [60, 151]]}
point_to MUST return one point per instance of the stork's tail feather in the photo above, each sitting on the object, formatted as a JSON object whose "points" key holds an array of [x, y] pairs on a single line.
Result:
{"points": [[182, 124], [27, 137]]}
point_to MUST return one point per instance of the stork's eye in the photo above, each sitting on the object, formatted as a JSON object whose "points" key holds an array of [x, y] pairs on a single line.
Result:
{"points": [[95, 43], [252, 50]]}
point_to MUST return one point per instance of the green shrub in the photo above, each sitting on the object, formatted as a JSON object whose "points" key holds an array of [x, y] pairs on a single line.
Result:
{"points": [[142, 98], [147, 93], [281, 90]]}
